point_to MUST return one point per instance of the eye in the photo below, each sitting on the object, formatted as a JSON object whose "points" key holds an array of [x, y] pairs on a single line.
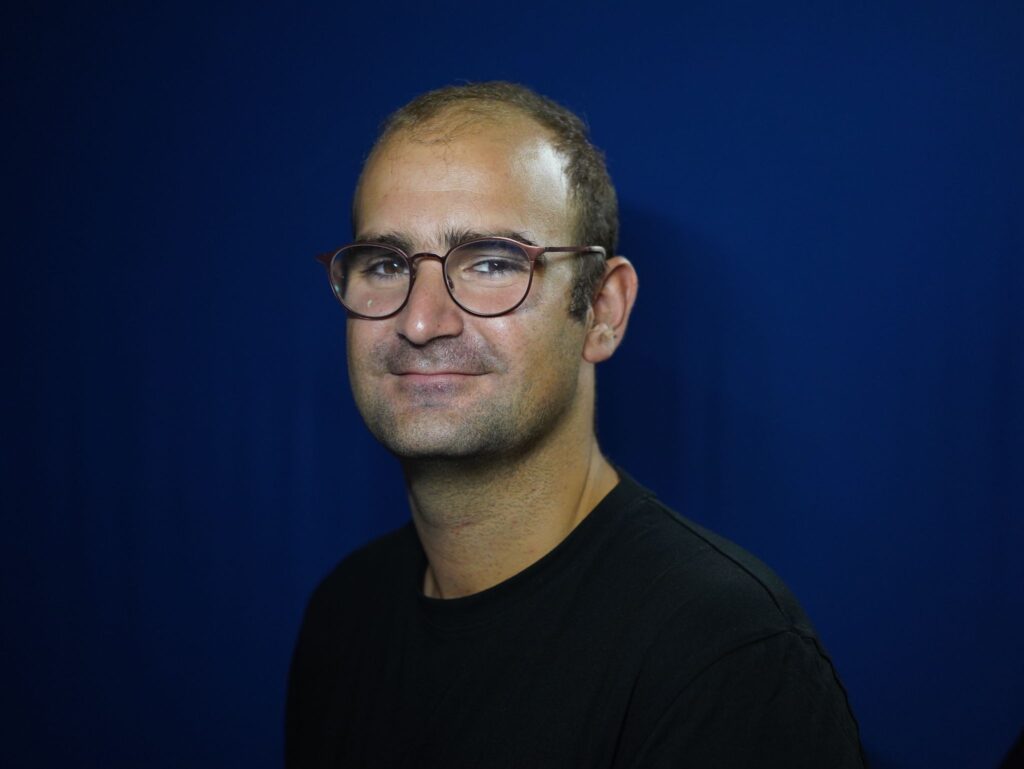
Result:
{"points": [[374, 264], [489, 262], [384, 267], [497, 266]]}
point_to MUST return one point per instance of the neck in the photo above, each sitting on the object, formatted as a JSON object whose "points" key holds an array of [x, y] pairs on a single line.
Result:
{"points": [[481, 522]]}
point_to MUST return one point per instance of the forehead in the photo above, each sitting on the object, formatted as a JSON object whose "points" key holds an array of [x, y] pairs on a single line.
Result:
{"points": [[488, 176]]}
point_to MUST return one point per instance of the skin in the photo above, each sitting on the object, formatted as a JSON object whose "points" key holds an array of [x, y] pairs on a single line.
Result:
{"points": [[491, 418]]}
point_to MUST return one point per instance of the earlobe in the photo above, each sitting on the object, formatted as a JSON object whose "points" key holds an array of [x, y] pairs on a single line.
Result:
{"points": [[610, 311]]}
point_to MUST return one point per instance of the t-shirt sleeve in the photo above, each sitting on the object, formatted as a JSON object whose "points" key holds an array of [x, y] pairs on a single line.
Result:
{"points": [[773, 702]]}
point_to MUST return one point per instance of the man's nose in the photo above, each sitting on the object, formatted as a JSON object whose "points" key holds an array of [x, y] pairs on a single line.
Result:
{"points": [[430, 312]]}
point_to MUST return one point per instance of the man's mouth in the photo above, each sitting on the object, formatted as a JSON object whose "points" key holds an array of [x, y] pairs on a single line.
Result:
{"points": [[435, 379], [430, 385], [432, 373]]}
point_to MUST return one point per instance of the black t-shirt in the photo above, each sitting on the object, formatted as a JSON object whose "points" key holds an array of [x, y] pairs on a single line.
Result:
{"points": [[642, 640]]}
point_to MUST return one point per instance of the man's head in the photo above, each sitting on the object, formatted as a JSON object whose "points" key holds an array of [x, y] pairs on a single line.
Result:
{"points": [[433, 381], [442, 114]]}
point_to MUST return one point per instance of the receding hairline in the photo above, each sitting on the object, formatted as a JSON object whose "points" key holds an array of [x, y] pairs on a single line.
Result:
{"points": [[451, 122]]}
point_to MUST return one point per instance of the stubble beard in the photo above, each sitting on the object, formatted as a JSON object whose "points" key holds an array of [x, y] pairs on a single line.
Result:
{"points": [[505, 425]]}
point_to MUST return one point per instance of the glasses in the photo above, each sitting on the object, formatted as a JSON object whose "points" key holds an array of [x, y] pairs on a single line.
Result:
{"points": [[485, 277]]}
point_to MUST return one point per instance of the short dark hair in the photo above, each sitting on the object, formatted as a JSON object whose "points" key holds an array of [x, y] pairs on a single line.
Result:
{"points": [[591, 193]]}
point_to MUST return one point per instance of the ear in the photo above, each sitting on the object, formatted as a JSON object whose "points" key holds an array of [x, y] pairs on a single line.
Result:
{"points": [[609, 313]]}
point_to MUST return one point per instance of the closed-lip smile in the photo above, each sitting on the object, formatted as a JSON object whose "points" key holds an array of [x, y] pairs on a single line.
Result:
{"points": [[428, 372], [433, 377]]}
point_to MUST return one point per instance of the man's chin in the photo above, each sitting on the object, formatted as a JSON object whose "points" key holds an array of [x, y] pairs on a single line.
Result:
{"points": [[435, 451], [459, 429], [432, 439]]}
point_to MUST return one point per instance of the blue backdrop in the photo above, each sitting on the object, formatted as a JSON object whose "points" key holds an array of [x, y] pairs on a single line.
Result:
{"points": [[824, 203]]}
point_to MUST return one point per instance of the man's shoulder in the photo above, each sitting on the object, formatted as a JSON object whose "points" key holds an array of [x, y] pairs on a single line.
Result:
{"points": [[711, 622], [681, 574]]}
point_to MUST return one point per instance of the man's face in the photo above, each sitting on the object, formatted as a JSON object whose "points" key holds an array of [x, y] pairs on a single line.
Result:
{"points": [[434, 381]]}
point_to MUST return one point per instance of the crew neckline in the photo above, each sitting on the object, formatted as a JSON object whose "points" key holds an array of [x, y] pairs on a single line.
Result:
{"points": [[493, 604]]}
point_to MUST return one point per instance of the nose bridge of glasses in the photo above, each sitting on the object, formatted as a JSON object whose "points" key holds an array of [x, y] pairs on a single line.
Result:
{"points": [[424, 255], [416, 258]]}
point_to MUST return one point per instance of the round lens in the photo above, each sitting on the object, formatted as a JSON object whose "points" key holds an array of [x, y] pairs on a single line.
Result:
{"points": [[370, 280], [488, 277]]}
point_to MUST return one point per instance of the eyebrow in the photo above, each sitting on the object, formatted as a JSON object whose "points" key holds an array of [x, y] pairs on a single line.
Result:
{"points": [[451, 238], [388, 239]]}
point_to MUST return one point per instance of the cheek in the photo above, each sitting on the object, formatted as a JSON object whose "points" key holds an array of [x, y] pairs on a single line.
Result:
{"points": [[360, 339], [351, 345], [550, 349]]}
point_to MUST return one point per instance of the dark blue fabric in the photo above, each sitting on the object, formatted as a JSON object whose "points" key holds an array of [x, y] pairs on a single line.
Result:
{"points": [[824, 204]]}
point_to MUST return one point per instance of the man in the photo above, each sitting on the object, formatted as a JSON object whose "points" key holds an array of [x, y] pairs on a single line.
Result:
{"points": [[541, 609]]}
